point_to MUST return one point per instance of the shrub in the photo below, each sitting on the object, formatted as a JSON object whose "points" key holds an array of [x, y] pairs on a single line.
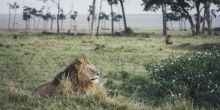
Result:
{"points": [[128, 32], [136, 87], [216, 29], [194, 76]]}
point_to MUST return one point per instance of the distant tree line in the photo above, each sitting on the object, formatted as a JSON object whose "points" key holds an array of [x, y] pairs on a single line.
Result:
{"points": [[183, 8], [172, 10]]}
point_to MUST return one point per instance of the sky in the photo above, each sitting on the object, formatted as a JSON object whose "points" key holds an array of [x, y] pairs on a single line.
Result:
{"points": [[82, 6]]}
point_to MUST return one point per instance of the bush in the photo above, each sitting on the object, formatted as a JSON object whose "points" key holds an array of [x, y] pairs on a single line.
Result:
{"points": [[216, 29], [136, 87], [193, 76], [128, 32]]}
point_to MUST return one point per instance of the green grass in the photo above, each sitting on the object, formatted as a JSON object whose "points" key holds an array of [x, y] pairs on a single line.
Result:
{"points": [[33, 59]]}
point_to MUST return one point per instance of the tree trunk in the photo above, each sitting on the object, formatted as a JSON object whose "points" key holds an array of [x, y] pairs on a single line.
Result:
{"points": [[124, 16], [203, 22], [93, 18], [112, 19], [51, 25], [26, 24], [192, 25], [184, 22], [119, 24], [34, 22], [104, 24], [75, 28], [46, 25], [9, 19], [58, 13], [186, 15], [164, 20], [100, 10], [198, 18], [61, 24], [38, 23], [208, 17], [14, 18]]}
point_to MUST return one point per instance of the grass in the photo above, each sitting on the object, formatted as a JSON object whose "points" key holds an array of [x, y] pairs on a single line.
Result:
{"points": [[31, 59]]}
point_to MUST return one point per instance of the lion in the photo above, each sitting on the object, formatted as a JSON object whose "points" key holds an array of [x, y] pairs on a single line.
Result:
{"points": [[81, 73], [168, 40]]}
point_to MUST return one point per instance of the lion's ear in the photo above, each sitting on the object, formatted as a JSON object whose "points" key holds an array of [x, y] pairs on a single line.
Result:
{"points": [[81, 61]]}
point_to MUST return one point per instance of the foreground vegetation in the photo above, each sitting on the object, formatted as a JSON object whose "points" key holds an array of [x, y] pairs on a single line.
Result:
{"points": [[29, 59]]}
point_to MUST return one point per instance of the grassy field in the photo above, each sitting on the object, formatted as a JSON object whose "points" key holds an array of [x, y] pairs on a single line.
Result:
{"points": [[30, 59]]}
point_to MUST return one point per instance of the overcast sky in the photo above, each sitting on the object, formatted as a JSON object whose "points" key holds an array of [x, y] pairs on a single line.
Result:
{"points": [[131, 6]]}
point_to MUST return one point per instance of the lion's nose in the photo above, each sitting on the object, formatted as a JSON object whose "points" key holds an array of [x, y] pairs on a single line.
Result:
{"points": [[98, 73]]}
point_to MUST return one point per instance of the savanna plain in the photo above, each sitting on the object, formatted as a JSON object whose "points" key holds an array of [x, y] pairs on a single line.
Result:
{"points": [[29, 59]]}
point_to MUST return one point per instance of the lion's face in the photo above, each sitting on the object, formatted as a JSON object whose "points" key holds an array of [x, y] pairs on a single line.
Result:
{"points": [[89, 74]]}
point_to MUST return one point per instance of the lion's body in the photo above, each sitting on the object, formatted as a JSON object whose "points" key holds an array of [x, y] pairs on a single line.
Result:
{"points": [[81, 73]]}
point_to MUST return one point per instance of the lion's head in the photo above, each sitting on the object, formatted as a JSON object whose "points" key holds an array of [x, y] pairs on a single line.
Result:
{"points": [[86, 72]]}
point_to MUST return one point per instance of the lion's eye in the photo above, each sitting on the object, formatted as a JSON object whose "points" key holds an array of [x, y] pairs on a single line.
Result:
{"points": [[92, 70]]}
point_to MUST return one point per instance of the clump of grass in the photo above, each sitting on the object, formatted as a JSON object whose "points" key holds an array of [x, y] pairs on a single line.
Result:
{"points": [[16, 95]]}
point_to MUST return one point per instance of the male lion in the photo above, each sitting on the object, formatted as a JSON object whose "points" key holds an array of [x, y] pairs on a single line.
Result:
{"points": [[82, 74], [168, 40]]}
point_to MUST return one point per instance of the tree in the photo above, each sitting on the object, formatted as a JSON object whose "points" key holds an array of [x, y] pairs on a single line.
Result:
{"points": [[93, 18], [53, 17], [184, 7], [111, 3], [172, 17], [117, 18], [99, 19], [197, 4], [62, 17], [9, 18], [207, 13], [57, 3], [90, 13], [15, 6], [27, 16], [39, 14], [156, 5], [73, 17], [103, 18], [34, 14], [46, 18], [124, 15]]}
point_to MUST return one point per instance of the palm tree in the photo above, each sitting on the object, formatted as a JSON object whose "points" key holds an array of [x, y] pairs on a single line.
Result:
{"points": [[62, 17], [124, 16], [93, 18], [9, 18], [46, 18], [117, 18], [27, 15], [39, 15], [111, 2], [34, 13], [100, 10], [58, 13], [53, 17], [90, 14], [73, 17], [15, 6], [104, 17]]}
